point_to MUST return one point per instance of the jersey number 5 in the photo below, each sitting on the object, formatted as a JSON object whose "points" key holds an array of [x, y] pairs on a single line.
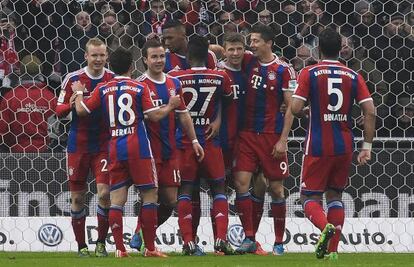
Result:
{"points": [[334, 90]]}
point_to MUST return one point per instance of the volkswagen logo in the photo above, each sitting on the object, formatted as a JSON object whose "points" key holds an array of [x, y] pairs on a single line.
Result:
{"points": [[235, 234], [50, 235]]}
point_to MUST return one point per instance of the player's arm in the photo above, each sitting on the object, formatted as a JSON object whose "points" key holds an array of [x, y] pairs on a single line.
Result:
{"points": [[368, 109], [300, 95], [156, 114], [280, 147], [289, 86], [188, 126], [64, 106], [84, 108], [296, 106]]}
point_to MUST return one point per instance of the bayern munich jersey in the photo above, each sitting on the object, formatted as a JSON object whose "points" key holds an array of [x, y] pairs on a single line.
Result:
{"points": [[123, 102], [87, 134], [203, 90], [162, 133], [174, 61], [266, 84], [331, 88], [233, 113]]}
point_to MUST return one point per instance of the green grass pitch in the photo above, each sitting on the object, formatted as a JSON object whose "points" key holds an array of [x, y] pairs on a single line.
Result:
{"points": [[289, 259]]}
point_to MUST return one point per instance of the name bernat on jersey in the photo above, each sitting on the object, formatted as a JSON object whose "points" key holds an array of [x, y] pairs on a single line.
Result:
{"points": [[122, 132], [335, 117]]}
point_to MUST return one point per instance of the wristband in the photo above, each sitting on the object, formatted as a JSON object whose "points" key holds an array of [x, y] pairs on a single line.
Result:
{"points": [[194, 141], [79, 92], [367, 146]]}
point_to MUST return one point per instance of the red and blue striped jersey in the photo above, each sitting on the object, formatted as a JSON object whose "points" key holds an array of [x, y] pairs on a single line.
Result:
{"points": [[203, 90], [162, 133], [123, 102], [174, 61], [86, 134], [331, 88], [266, 83], [234, 112]]}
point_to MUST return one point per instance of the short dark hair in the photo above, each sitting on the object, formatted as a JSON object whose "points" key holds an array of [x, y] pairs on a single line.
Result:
{"points": [[120, 60], [233, 37], [173, 24], [151, 43], [265, 31], [330, 42], [198, 48]]}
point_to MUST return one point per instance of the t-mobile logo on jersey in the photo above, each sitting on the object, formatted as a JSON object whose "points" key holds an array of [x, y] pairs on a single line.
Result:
{"points": [[256, 81]]}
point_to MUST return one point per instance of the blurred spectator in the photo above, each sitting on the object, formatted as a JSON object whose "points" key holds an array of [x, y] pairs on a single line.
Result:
{"points": [[25, 111], [155, 17], [305, 56], [9, 65], [71, 50], [199, 14]]}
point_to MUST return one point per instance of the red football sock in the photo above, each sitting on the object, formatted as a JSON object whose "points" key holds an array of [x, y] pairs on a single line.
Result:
{"points": [[196, 214], [257, 205], [185, 217], [336, 216], [115, 221], [314, 212], [103, 223], [245, 209], [138, 228], [78, 226], [279, 219], [221, 215], [213, 223], [164, 212], [149, 224]]}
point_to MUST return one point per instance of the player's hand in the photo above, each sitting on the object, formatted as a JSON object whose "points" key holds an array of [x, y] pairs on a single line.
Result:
{"points": [[78, 86], [364, 156], [213, 129], [72, 100], [199, 151], [174, 101], [279, 149]]}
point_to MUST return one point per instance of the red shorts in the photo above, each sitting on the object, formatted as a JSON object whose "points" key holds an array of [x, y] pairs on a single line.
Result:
{"points": [[139, 172], [168, 172], [255, 151], [212, 166], [79, 164], [322, 173]]}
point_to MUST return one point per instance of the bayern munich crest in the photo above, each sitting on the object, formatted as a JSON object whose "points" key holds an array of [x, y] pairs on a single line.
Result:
{"points": [[271, 76]]}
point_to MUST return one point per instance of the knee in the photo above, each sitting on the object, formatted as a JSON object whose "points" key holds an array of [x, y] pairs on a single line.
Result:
{"points": [[333, 195], [103, 198], [241, 185], [78, 199]]}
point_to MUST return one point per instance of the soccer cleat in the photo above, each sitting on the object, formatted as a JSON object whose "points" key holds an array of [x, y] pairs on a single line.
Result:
{"points": [[189, 248], [137, 242], [100, 250], [247, 246], [333, 256], [199, 251], [222, 247], [278, 250], [259, 250], [83, 252], [154, 253], [121, 254], [323, 241]]}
